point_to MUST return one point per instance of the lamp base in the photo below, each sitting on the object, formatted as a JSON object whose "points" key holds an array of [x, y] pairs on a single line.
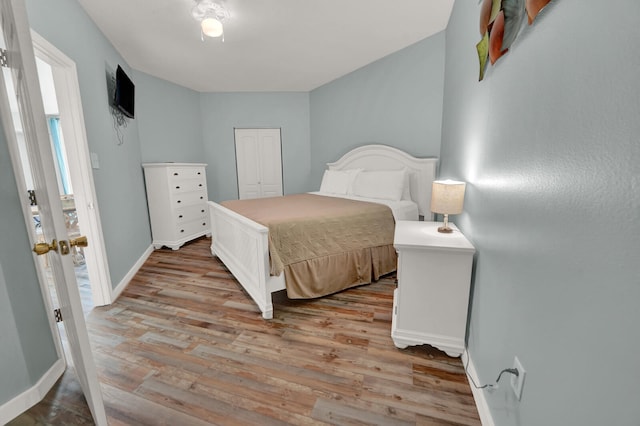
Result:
{"points": [[445, 229], [445, 225]]}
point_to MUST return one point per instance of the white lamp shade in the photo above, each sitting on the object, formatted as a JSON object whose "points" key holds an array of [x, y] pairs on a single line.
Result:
{"points": [[447, 196], [211, 27]]}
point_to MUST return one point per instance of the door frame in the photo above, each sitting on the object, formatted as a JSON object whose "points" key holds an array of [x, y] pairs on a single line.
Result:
{"points": [[67, 88]]}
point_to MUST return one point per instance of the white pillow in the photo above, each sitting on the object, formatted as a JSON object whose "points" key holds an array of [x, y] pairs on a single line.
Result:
{"points": [[385, 185], [338, 181]]}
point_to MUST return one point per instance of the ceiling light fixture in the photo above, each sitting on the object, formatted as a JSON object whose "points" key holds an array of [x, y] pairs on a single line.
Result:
{"points": [[211, 16]]}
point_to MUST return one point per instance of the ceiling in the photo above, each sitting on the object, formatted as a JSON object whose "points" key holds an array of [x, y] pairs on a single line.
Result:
{"points": [[269, 45]]}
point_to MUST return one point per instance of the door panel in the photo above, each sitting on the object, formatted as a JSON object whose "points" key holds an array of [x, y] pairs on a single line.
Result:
{"points": [[271, 156], [247, 165], [21, 61]]}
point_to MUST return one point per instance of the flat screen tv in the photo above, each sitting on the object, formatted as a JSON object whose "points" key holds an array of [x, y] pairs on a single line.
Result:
{"points": [[124, 98]]}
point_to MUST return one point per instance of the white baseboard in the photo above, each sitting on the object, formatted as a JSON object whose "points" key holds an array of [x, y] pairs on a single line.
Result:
{"points": [[27, 399], [132, 272], [478, 395]]}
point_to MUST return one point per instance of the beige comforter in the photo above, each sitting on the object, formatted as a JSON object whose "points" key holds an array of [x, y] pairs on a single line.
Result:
{"points": [[323, 244]]}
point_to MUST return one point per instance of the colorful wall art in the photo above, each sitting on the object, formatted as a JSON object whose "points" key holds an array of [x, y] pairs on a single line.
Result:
{"points": [[500, 23]]}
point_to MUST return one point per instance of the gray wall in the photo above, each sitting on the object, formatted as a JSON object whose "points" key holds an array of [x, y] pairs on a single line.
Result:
{"points": [[26, 346], [169, 121], [119, 183], [395, 101], [222, 112], [548, 144]]}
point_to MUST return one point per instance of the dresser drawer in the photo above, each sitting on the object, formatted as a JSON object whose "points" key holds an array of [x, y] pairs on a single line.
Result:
{"points": [[187, 214], [187, 185], [178, 173], [194, 227], [188, 198]]}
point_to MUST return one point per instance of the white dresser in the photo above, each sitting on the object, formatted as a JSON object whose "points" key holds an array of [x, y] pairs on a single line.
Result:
{"points": [[434, 276], [177, 200]]}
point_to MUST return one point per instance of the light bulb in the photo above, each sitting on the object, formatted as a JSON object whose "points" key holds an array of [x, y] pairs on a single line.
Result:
{"points": [[211, 27]]}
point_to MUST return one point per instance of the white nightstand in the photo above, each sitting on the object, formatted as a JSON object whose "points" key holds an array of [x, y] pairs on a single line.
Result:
{"points": [[434, 275]]}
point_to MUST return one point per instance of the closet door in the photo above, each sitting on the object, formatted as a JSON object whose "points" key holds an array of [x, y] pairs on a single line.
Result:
{"points": [[247, 163], [270, 153], [258, 163]]}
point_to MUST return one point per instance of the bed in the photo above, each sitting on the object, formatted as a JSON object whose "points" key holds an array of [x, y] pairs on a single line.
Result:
{"points": [[243, 244]]}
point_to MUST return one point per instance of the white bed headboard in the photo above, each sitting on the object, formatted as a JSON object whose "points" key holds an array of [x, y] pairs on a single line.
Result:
{"points": [[422, 171]]}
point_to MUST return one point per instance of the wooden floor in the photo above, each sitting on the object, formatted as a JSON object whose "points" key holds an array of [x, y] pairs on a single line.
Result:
{"points": [[184, 345]]}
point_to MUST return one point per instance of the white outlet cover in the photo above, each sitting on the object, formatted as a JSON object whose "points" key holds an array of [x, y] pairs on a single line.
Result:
{"points": [[517, 382]]}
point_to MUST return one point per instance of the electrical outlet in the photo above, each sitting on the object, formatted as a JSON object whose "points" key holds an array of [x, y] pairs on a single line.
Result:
{"points": [[517, 382]]}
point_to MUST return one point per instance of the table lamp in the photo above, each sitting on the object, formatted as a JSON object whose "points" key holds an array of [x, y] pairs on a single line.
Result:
{"points": [[447, 197]]}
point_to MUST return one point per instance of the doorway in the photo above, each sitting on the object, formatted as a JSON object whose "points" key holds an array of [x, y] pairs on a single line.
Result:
{"points": [[61, 96]]}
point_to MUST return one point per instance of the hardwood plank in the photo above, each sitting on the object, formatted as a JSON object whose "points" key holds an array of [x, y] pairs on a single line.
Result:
{"points": [[430, 421], [185, 344], [201, 404], [336, 413], [127, 408], [440, 405], [325, 380]]}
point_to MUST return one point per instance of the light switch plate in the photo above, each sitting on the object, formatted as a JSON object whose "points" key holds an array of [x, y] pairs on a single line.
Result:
{"points": [[95, 164]]}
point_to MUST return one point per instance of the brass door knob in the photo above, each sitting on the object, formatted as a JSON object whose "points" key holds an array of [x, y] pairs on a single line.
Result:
{"points": [[44, 248], [79, 242]]}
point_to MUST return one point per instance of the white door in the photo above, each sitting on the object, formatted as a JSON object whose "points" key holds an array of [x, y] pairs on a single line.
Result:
{"points": [[259, 163], [270, 153], [21, 61], [247, 163]]}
